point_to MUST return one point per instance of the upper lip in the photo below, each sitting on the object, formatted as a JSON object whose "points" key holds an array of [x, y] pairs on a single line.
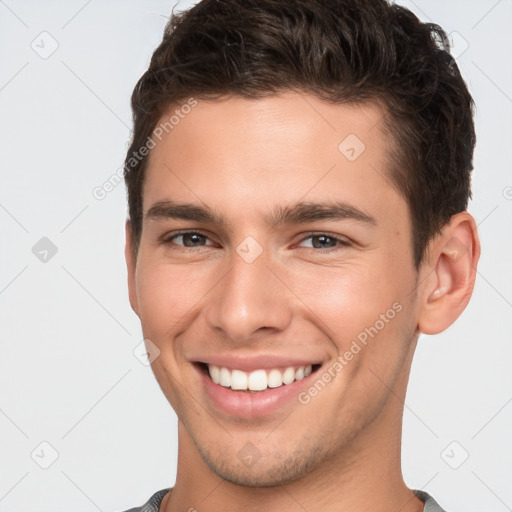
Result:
{"points": [[251, 363]]}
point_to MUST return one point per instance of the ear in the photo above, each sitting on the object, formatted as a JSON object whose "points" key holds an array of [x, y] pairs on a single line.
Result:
{"points": [[131, 266], [448, 277]]}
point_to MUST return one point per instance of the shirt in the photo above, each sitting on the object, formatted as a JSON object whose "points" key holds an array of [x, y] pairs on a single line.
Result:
{"points": [[153, 503]]}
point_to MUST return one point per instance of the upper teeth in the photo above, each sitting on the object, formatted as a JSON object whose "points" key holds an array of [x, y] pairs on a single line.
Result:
{"points": [[257, 380]]}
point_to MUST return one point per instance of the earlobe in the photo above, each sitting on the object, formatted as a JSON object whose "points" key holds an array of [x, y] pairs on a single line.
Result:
{"points": [[131, 266], [451, 274]]}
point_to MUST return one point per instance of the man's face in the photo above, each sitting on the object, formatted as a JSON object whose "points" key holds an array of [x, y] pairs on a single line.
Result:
{"points": [[264, 291]]}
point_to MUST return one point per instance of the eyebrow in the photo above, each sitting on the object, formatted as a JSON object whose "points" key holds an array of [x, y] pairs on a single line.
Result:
{"points": [[299, 213]]}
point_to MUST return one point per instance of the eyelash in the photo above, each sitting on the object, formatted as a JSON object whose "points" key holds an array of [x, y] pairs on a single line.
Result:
{"points": [[341, 242]]}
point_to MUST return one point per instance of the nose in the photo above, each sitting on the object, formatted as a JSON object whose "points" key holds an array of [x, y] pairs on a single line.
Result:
{"points": [[251, 298]]}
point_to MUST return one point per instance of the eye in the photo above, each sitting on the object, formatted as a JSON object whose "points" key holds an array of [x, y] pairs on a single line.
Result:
{"points": [[195, 239], [326, 241], [190, 239]]}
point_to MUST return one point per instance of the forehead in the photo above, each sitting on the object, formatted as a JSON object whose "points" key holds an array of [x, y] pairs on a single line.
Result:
{"points": [[243, 153]]}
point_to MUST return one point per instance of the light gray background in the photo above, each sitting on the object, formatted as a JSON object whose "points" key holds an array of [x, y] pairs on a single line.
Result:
{"points": [[68, 375]]}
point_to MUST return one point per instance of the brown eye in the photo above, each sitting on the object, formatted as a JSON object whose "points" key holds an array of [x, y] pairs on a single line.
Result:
{"points": [[326, 241], [186, 239]]}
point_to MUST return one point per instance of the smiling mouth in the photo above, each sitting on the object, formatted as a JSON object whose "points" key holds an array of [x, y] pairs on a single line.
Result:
{"points": [[257, 380]]}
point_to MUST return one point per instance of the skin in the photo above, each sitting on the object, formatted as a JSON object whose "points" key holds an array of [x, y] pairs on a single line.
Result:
{"points": [[243, 158]]}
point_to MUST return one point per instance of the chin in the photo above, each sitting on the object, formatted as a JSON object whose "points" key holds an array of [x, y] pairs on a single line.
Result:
{"points": [[279, 470]]}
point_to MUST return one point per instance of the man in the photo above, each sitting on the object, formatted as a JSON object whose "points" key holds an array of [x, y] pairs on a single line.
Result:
{"points": [[298, 181]]}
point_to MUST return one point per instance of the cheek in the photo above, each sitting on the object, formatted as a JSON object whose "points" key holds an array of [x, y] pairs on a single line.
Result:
{"points": [[369, 319], [166, 293], [166, 296], [365, 312], [346, 299]]}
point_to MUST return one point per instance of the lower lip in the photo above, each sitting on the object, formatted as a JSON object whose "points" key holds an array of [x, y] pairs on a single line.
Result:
{"points": [[251, 405]]}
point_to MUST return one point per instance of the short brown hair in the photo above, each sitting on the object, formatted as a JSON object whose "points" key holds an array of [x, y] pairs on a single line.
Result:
{"points": [[342, 51]]}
